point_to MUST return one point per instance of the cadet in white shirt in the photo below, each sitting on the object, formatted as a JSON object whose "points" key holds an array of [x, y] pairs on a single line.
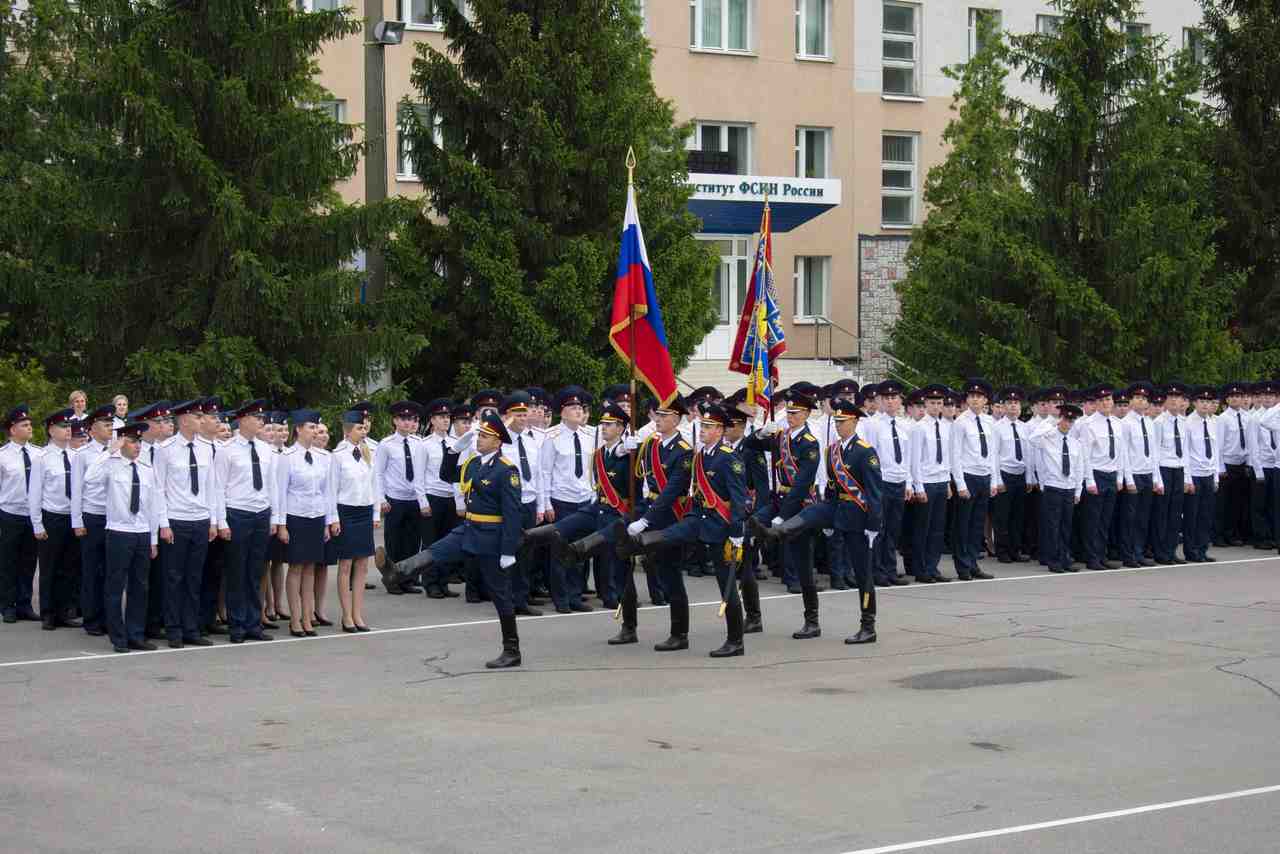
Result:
{"points": [[930, 485], [354, 488], [525, 453], [1017, 476], [184, 469], [975, 465], [158, 433], [1231, 523], [890, 434], [89, 521], [1171, 442], [17, 542], [400, 466], [1060, 462], [1105, 470], [136, 516], [1204, 467], [49, 502], [1264, 460], [1143, 482], [442, 513], [306, 509], [567, 486]]}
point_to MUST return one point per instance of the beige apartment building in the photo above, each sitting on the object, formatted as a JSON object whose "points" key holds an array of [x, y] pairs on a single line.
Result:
{"points": [[835, 108]]}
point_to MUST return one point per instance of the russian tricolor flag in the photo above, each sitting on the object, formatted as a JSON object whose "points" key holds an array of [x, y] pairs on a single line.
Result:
{"points": [[635, 327]]}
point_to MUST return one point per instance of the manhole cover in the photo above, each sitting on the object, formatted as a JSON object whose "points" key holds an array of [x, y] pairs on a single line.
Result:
{"points": [[979, 677]]}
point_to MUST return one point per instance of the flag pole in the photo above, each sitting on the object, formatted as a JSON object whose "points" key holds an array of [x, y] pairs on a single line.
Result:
{"points": [[635, 403]]}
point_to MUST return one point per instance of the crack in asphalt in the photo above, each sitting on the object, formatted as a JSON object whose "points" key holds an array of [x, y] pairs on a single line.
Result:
{"points": [[1225, 668]]}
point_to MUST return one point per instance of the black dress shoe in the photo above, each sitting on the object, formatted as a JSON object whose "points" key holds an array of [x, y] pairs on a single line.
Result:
{"points": [[268, 624], [752, 626], [1056, 569], [297, 634], [119, 648], [93, 633], [360, 628], [155, 633], [369, 585], [526, 611], [926, 579], [809, 630], [624, 636], [964, 576], [410, 587], [1208, 559], [28, 616], [864, 635], [473, 598], [311, 633], [943, 579], [197, 641], [900, 581], [672, 644], [1095, 566], [508, 658], [142, 646], [560, 610], [49, 623], [321, 621], [839, 584], [1110, 564], [580, 607], [435, 593], [793, 588], [1132, 564], [176, 644], [65, 622], [217, 630], [351, 630], [1219, 544], [235, 639], [979, 575], [1177, 561], [660, 602], [728, 650], [1146, 561]]}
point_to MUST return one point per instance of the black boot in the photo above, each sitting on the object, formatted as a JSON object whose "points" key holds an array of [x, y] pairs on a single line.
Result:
{"points": [[867, 633], [679, 630], [810, 629], [733, 645], [753, 623], [404, 572], [790, 529], [510, 645], [625, 635], [578, 551]]}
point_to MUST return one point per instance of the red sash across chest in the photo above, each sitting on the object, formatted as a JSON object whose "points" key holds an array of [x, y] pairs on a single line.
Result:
{"points": [[710, 497], [850, 489], [682, 504]]}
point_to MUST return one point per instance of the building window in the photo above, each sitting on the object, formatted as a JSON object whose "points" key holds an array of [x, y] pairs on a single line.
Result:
{"points": [[976, 19], [1049, 25], [720, 24], [425, 14], [729, 285], [322, 5], [813, 19], [731, 140], [898, 180], [406, 169], [1135, 36], [1196, 42], [811, 277], [813, 152], [336, 110], [900, 55]]}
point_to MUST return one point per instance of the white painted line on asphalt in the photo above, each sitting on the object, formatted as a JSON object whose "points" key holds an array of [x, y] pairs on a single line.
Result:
{"points": [[1063, 822], [963, 585]]}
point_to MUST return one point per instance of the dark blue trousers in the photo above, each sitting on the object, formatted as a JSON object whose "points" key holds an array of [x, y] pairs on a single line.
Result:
{"points": [[1273, 502], [497, 581], [1197, 519], [17, 562], [1137, 518], [183, 571], [128, 567], [567, 584], [1098, 512], [93, 571], [401, 529], [1007, 511], [522, 571], [930, 526], [1168, 508], [854, 545], [245, 557], [443, 519], [971, 519], [1260, 510], [894, 500], [1055, 534], [59, 557]]}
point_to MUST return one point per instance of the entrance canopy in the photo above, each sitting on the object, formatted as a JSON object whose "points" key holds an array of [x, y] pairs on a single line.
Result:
{"points": [[734, 204]]}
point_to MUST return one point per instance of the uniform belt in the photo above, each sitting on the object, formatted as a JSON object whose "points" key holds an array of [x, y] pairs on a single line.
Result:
{"points": [[782, 489], [845, 497], [484, 517]]}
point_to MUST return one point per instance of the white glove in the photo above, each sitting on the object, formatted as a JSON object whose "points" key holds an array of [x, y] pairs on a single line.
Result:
{"points": [[507, 561], [871, 537], [830, 532], [737, 542], [770, 429], [777, 520], [637, 527], [461, 506], [629, 443]]}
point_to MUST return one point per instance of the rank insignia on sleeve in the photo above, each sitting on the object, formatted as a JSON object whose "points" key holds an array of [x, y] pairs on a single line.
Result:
{"points": [[873, 461], [812, 455], [515, 480], [738, 467], [688, 464]]}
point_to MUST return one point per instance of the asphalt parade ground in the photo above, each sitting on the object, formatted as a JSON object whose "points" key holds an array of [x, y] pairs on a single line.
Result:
{"points": [[1127, 711]]}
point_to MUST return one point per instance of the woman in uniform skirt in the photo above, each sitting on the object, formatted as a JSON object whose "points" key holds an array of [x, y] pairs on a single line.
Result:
{"points": [[321, 588], [353, 489], [304, 511]]}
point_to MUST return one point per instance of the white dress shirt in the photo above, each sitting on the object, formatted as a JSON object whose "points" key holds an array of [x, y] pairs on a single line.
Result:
{"points": [[13, 477], [966, 448], [1049, 442], [115, 476], [1015, 452], [895, 467], [1264, 443], [530, 484], [353, 482], [1233, 426], [173, 473], [1104, 449], [433, 450], [233, 473], [559, 478], [389, 467], [303, 486], [1171, 440], [86, 498], [49, 479], [930, 435], [1204, 458], [1141, 454]]}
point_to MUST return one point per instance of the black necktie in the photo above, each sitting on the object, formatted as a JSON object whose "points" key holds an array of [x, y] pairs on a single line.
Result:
{"points": [[1208, 443], [897, 448], [355, 453], [307, 456], [524, 460], [1146, 444], [1017, 443], [1111, 439], [982, 437], [1272, 432], [577, 456], [257, 466], [26, 465], [135, 492], [937, 442], [408, 461], [66, 471], [1240, 424], [1066, 458], [1177, 439], [153, 453], [194, 467]]}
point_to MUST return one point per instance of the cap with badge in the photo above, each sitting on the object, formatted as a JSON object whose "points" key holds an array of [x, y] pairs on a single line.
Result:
{"points": [[915, 397], [1010, 394], [1120, 397], [715, 416], [253, 409], [976, 386], [844, 410], [133, 430], [573, 395], [492, 425], [1141, 388], [890, 388], [1233, 389], [516, 402], [151, 412], [799, 401], [17, 415], [211, 405], [78, 429], [1069, 411], [706, 392], [1204, 392], [187, 407], [1175, 388], [844, 386], [439, 406], [677, 406], [304, 416], [405, 409], [614, 414], [365, 407], [353, 416], [105, 412], [934, 391], [276, 416], [616, 392], [486, 397], [462, 411], [539, 396], [61, 418]]}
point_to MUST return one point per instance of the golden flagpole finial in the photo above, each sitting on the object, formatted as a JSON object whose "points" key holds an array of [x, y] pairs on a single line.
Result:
{"points": [[766, 201], [631, 165]]}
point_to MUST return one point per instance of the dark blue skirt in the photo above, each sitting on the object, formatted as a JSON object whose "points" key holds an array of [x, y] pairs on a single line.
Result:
{"points": [[356, 539], [306, 539]]}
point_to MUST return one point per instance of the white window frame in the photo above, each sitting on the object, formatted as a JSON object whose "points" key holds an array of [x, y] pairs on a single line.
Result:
{"points": [[800, 162], [1196, 40], [974, 13], [911, 192], [1129, 26], [337, 107], [402, 10], [695, 28], [914, 39], [800, 288], [740, 262], [695, 140], [404, 146], [310, 5], [1048, 25], [802, 21]]}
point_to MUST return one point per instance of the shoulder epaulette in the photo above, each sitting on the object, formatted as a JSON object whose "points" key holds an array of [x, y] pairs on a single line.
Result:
{"points": [[505, 461], [684, 446], [725, 449], [807, 436], [863, 443], [288, 449]]}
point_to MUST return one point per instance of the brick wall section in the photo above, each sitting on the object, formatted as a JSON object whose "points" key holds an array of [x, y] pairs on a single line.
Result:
{"points": [[883, 265]]}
